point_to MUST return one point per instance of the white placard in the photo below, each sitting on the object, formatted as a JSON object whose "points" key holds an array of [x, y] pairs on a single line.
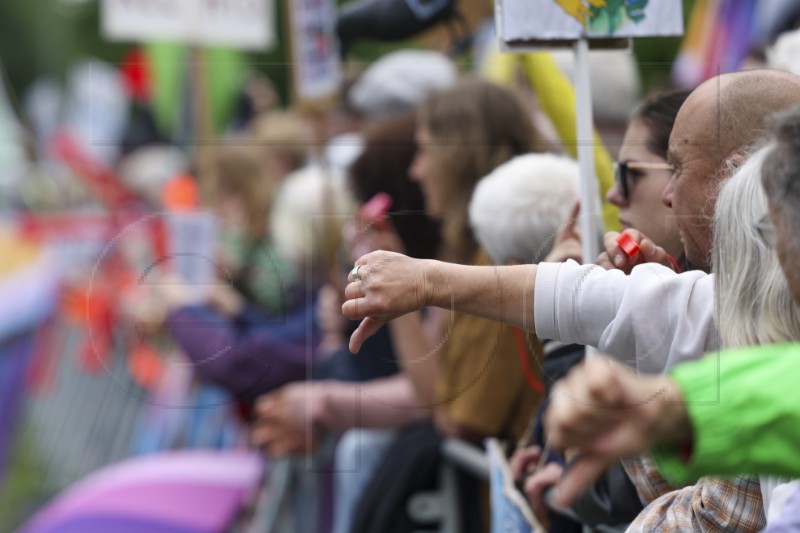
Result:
{"points": [[549, 20], [315, 49], [191, 244], [248, 24]]}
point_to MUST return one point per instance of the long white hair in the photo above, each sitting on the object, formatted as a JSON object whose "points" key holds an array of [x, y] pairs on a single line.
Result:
{"points": [[754, 304]]}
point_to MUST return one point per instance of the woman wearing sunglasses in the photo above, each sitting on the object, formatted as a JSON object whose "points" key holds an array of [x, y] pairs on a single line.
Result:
{"points": [[642, 173]]}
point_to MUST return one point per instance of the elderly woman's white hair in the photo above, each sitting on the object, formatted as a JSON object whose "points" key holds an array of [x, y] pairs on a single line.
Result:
{"points": [[517, 210], [754, 304], [309, 210]]}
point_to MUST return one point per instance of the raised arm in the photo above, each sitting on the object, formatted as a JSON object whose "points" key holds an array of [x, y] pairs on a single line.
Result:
{"points": [[389, 285]]}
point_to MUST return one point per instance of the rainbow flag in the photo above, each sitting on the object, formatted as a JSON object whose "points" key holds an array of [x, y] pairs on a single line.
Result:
{"points": [[720, 35]]}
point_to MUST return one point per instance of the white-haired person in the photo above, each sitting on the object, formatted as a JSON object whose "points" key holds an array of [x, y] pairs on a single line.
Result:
{"points": [[755, 306], [521, 213], [642, 173], [245, 349], [753, 303], [517, 211]]}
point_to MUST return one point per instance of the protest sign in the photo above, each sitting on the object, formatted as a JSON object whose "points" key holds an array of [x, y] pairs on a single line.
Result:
{"points": [[247, 24], [568, 20], [315, 51]]}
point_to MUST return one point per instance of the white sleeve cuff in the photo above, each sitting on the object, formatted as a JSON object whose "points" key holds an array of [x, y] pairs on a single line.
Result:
{"points": [[544, 300]]}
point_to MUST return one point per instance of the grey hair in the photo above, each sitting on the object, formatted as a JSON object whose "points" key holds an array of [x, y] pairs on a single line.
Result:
{"points": [[308, 212], [754, 304], [516, 211], [781, 173]]}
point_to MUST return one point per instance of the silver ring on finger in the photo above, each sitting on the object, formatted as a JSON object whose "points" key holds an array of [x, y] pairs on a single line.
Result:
{"points": [[354, 273]]}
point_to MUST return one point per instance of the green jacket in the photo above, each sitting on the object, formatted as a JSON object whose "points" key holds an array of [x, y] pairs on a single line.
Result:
{"points": [[744, 406]]}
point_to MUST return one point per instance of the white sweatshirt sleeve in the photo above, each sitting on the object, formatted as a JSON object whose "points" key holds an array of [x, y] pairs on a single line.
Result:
{"points": [[650, 320]]}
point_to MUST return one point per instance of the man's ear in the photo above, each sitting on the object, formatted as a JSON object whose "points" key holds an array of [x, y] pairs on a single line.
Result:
{"points": [[736, 160]]}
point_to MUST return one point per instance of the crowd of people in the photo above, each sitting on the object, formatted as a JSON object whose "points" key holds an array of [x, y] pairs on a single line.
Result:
{"points": [[714, 171]]}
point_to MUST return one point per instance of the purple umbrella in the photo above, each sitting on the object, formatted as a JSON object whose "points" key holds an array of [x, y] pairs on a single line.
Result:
{"points": [[179, 492]]}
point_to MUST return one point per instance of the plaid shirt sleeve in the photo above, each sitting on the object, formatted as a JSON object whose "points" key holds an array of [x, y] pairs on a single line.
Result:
{"points": [[649, 482], [712, 505]]}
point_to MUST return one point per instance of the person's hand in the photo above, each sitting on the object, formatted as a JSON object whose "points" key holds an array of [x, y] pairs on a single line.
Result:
{"points": [[535, 482], [280, 440], [567, 244], [141, 306], [283, 424], [225, 299], [607, 412], [390, 286], [649, 252], [523, 462], [174, 292]]}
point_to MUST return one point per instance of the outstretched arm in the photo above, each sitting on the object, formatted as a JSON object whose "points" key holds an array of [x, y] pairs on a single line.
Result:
{"points": [[392, 285]]}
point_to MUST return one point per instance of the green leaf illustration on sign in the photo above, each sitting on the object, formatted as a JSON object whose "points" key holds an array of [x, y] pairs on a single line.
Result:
{"points": [[607, 20]]}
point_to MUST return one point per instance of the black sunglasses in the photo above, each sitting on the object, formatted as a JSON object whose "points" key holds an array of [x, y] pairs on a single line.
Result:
{"points": [[621, 173]]}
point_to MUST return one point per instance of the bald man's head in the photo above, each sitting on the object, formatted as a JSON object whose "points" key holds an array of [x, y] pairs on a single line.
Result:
{"points": [[717, 125], [748, 100]]}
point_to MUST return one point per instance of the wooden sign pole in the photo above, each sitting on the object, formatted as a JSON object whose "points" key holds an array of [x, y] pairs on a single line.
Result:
{"points": [[202, 121]]}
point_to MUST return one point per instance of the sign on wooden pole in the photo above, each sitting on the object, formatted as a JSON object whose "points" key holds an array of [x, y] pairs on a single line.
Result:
{"points": [[525, 24], [245, 24], [314, 52], [521, 21]]}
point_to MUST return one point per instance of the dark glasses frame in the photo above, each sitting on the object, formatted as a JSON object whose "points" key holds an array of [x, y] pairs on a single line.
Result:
{"points": [[621, 173]]}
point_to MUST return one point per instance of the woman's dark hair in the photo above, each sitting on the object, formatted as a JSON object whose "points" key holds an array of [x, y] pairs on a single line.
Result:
{"points": [[658, 114], [383, 167]]}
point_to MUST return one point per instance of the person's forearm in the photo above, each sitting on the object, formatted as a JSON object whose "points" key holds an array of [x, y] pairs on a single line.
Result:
{"points": [[383, 403], [503, 293], [384, 286], [245, 365]]}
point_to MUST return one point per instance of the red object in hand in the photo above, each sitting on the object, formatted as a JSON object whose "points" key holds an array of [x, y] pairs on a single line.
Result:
{"points": [[627, 244], [374, 211]]}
